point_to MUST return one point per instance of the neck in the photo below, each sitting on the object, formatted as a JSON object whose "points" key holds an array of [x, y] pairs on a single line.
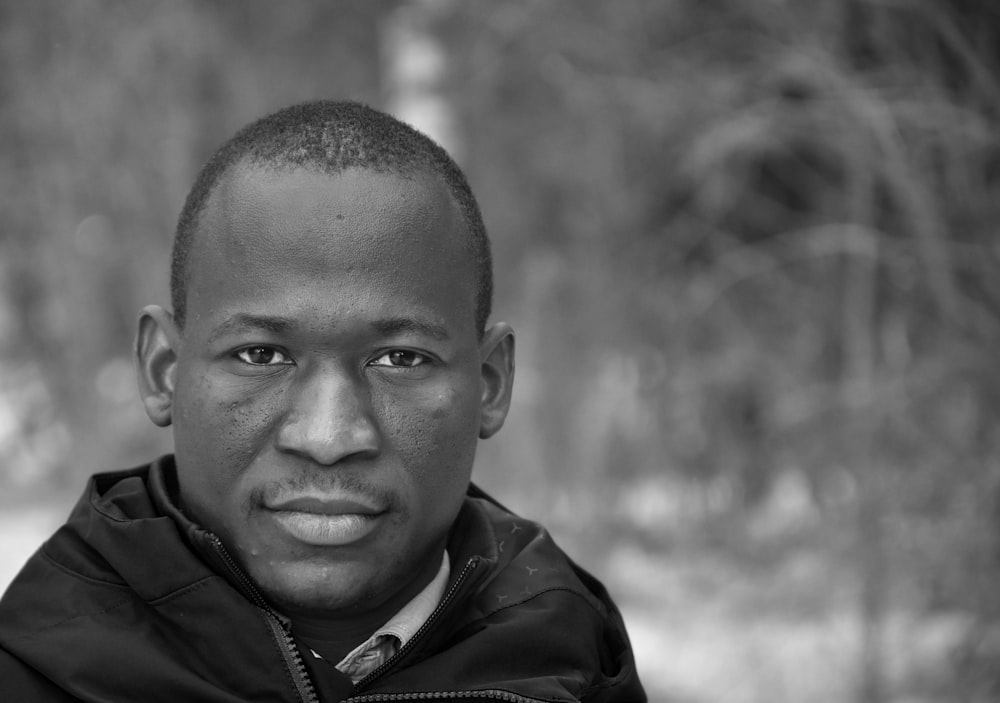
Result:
{"points": [[334, 636]]}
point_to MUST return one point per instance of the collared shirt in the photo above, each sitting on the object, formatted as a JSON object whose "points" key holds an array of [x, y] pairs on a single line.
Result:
{"points": [[389, 638]]}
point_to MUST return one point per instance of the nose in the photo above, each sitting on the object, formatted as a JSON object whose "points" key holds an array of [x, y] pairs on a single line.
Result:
{"points": [[329, 419]]}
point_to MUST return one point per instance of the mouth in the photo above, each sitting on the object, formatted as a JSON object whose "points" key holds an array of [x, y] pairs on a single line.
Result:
{"points": [[326, 521]]}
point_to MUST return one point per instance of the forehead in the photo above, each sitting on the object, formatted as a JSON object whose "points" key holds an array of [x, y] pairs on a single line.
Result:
{"points": [[358, 211], [275, 225]]}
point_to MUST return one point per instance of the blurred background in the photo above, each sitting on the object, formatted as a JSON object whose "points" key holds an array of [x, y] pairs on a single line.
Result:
{"points": [[749, 249]]}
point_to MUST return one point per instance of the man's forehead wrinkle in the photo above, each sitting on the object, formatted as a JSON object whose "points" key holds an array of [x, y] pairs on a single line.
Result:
{"points": [[277, 324]]}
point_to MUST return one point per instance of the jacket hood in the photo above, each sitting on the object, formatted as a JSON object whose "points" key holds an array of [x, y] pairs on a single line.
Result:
{"points": [[130, 600], [535, 623], [114, 606]]}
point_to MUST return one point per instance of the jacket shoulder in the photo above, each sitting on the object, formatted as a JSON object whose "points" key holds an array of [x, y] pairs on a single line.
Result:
{"points": [[529, 621], [526, 561]]}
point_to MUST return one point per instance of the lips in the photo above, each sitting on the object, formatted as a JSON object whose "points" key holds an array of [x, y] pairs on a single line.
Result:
{"points": [[326, 521], [327, 505]]}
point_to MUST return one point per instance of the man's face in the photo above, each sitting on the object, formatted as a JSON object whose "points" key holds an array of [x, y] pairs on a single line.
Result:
{"points": [[329, 381]]}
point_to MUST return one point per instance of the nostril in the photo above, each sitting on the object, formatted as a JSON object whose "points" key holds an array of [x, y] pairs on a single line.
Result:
{"points": [[328, 444], [329, 420]]}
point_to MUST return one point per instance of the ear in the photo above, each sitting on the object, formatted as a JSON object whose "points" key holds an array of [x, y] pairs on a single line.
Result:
{"points": [[156, 346], [496, 350]]}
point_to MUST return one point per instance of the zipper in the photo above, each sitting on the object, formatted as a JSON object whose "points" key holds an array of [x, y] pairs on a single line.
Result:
{"points": [[297, 669], [485, 694], [286, 645], [419, 634]]}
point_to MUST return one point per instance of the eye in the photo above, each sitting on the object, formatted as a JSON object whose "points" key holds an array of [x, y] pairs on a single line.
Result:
{"points": [[263, 356], [400, 359]]}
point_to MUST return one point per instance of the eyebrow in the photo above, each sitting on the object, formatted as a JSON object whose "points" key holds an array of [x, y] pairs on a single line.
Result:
{"points": [[399, 325], [242, 322]]}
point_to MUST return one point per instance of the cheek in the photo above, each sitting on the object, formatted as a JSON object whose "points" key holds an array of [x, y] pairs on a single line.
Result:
{"points": [[220, 426], [436, 434], [244, 422]]}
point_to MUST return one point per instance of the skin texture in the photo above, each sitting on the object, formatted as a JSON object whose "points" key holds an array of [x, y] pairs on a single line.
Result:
{"points": [[330, 352]]}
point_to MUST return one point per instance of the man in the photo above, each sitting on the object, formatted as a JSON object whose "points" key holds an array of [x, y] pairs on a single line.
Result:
{"points": [[327, 371]]}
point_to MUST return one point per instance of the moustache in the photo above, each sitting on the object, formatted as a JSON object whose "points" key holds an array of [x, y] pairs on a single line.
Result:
{"points": [[325, 483]]}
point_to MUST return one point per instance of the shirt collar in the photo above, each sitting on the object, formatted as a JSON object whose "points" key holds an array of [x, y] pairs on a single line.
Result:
{"points": [[388, 639]]}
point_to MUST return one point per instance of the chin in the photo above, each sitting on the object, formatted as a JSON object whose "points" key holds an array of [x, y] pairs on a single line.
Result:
{"points": [[312, 588]]}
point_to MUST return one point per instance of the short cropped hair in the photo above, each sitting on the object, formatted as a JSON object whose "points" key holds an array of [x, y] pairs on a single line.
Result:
{"points": [[331, 137]]}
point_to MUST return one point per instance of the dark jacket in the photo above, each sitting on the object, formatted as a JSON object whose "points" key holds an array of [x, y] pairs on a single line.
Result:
{"points": [[130, 601]]}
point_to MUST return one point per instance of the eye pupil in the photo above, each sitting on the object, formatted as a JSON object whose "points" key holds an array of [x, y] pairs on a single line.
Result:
{"points": [[259, 355], [402, 357]]}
